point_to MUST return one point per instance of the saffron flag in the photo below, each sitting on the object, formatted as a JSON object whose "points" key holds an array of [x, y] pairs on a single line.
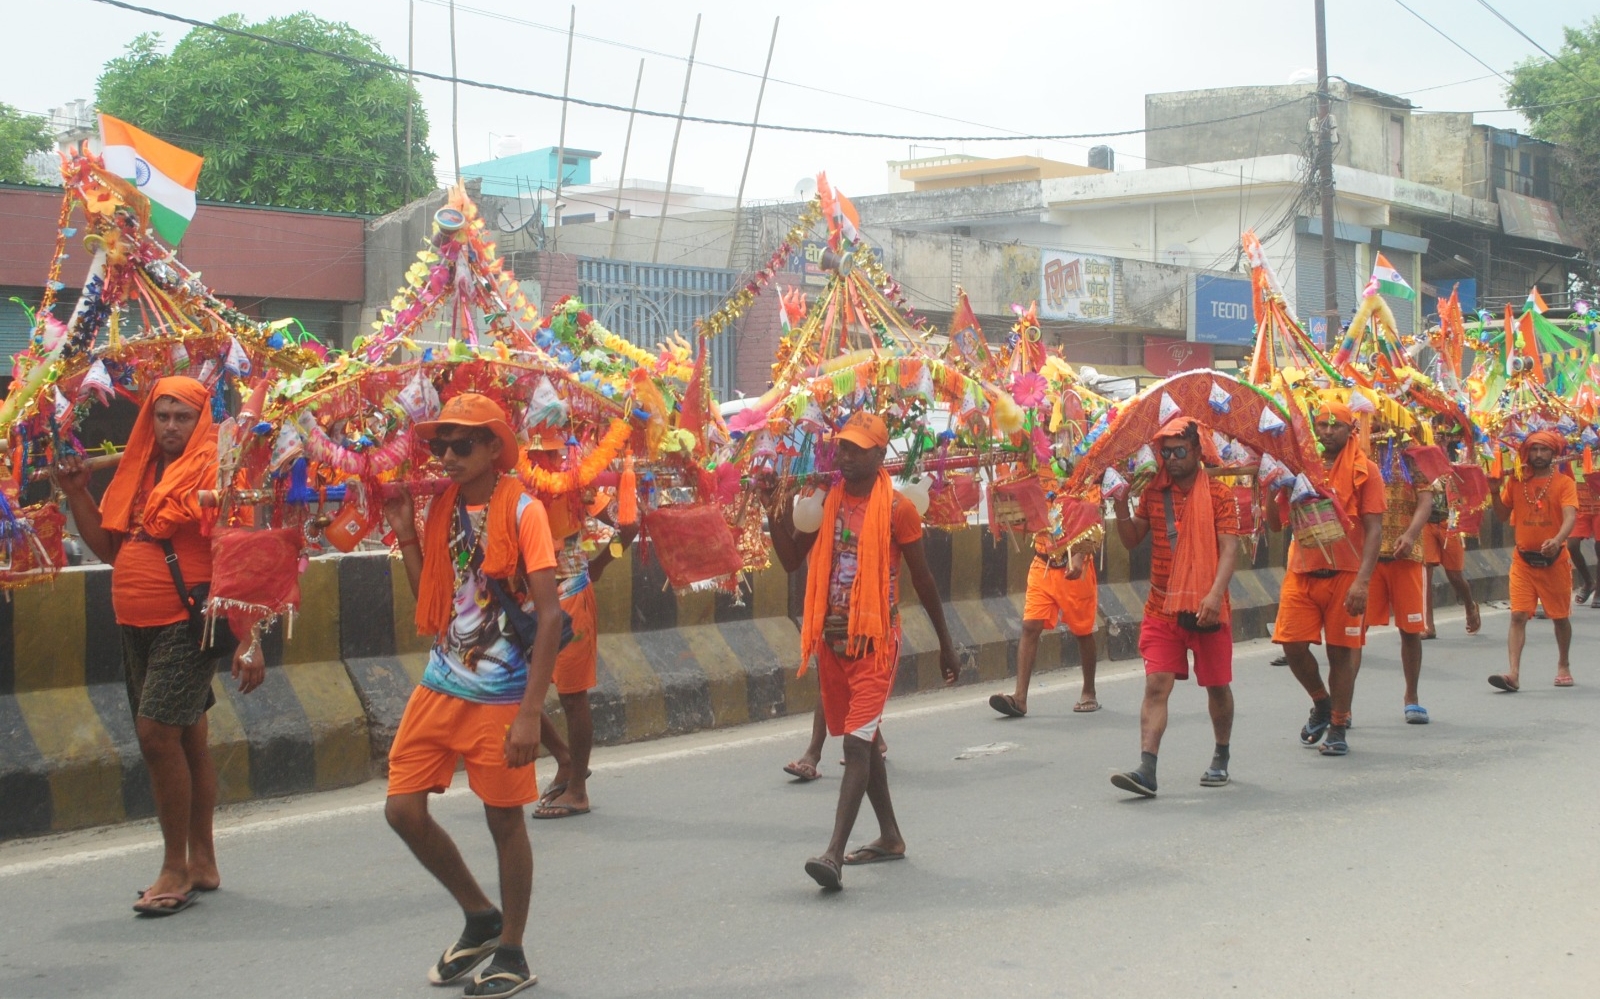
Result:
{"points": [[1387, 281], [161, 171]]}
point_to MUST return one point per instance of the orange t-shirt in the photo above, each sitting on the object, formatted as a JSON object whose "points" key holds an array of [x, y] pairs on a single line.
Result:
{"points": [[1224, 513], [1588, 499], [1536, 506], [142, 592], [905, 527], [1369, 498]]}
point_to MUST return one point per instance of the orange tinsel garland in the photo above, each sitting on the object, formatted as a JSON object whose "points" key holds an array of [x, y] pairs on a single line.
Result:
{"points": [[547, 483]]}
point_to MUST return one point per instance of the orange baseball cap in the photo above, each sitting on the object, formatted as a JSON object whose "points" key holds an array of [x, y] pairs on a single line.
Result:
{"points": [[469, 409], [864, 429]]}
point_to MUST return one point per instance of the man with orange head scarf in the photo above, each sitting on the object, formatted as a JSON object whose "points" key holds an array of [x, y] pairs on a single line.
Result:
{"points": [[1542, 505], [148, 526], [1324, 594]]}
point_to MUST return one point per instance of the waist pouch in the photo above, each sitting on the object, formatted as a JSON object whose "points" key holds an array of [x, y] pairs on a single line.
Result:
{"points": [[1536, 559], [1190, 621]]}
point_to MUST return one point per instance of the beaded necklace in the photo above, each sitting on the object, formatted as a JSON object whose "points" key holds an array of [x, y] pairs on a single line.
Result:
{"points": [[1536, 503]]}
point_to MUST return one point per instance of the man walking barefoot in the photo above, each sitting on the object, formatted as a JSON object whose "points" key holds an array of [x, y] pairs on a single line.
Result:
{"points": [[852, 626], [483, 573], [150, 512], [1542, 505], [1192, 521]]}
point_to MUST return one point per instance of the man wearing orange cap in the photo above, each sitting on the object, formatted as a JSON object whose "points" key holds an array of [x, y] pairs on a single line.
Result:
{"points": [[1397, 580], [148, 526], [485, 580], [1192, 521], [1324, 593], [1542, 506], [851, 624]]}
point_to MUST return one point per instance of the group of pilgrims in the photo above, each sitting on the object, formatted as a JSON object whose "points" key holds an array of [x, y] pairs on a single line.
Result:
{"points": [[506, 456]]}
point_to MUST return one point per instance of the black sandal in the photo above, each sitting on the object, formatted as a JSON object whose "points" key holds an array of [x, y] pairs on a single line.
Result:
{"points": [[497, 981], [457, 961]]}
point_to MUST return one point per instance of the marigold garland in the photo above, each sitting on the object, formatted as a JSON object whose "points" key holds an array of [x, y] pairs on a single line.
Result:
{"points": [[638, 355], [548, 483]]}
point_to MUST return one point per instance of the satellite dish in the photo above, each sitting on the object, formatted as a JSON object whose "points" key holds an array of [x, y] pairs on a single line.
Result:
{"points": [[805, 188], [1303, 75]]}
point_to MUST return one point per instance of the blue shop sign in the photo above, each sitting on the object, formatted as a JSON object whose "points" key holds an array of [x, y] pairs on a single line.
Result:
{"points": [[1221, 311]]}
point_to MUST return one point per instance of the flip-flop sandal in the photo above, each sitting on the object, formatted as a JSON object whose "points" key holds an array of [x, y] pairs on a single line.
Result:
{"points": [[180, 903], [1334, 747], [802, 770], [497, 981], [1006, 704], [457, 961], [824, 873], [1416, 714], [1564, 681], [558, 788], [554, 811], [1499, 682], [204, 891], [1132, 782], [863, 855], [1214, 777], [1085, 707]]}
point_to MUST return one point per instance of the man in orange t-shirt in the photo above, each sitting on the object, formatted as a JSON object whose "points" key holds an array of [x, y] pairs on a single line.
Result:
{"points": [[1398, 580], [152, 509], [1542, 505], [1062, 589], [1587, 528], [1324, 593]]}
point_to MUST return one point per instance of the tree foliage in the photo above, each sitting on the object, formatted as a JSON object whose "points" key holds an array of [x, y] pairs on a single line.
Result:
{"points": [[1561, 100], [278, 126], [20, 134]]}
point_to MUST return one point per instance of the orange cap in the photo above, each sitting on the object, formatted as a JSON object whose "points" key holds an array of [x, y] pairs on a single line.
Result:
{"points": [[864, 429], [469, 409]]}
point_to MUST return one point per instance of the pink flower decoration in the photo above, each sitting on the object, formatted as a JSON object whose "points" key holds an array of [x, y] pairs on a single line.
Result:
{"points": [[1028, 389]]}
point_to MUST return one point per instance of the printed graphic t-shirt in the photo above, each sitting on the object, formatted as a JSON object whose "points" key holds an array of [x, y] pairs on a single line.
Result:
{"points": [[1536, 507], [479, 658], [905, 527]]}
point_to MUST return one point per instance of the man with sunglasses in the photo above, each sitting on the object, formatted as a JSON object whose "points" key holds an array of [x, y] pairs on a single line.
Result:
{"points": [[483, 573], [1192, 521], [1324, 593]]}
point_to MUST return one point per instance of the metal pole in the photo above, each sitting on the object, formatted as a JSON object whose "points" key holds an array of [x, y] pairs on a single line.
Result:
{"points": [[411, 43], [738, 201], [622, 175], [1330, 267], [672, 161], [561, 147], [455, 124]]}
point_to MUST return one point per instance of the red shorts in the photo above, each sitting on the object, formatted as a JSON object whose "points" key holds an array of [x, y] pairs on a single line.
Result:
{"points": [[1397, 589], [1588, 526], [1056, 600], [438, 729], [855, 691], [1310, 608], [1166, 647], [575, 664], [1441, 546], [1550, 586]]}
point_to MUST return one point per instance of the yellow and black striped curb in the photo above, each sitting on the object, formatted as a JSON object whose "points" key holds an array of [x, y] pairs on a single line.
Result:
{"points": [[334, 694]]}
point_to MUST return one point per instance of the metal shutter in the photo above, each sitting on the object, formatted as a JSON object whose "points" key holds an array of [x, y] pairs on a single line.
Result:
{"points": [[1308, 276], [14, 327]]}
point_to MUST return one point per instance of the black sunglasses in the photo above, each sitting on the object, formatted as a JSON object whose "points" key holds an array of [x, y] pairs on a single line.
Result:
{"points": [[462, 446], [1181, 451]]}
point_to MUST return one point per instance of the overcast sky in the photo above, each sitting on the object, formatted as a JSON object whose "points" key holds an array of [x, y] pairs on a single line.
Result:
{"points": [[922, 68]]}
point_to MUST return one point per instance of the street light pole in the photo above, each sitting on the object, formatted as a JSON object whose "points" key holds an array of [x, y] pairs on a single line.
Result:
{"points": [[1330, 268]]}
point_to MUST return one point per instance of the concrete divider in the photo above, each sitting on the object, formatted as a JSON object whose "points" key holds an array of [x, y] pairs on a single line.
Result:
{"points": [[335, 691]]}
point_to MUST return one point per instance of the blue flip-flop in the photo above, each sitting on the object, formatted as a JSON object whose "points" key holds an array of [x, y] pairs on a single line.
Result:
{"points": [[1416, 714]]}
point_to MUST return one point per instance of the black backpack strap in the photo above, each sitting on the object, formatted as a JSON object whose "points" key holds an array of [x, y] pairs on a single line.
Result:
{"points": [[177, 574]]}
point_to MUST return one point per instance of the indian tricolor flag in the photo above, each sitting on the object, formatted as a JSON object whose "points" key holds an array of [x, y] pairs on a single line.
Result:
{"points": [[1387, 281], [161, 171]]}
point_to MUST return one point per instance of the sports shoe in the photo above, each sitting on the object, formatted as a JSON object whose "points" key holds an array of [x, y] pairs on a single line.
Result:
{"points": [[1316, 726]]}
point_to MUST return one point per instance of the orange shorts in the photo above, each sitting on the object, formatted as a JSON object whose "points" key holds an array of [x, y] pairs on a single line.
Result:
{"points": [[438, 729], [1057, 600], [575, 664], [855, 691], [1309, 608], [1441, 546], [1551, 586], [1397, 589], [1588, 526]]}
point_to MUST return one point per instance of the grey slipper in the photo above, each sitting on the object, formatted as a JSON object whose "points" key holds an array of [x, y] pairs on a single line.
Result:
{"points": [[1214, 777]]}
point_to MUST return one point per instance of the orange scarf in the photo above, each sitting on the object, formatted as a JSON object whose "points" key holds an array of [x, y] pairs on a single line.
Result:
{"points": [[175, 500], [501, 550], [1346, 477], [870, 614], [1194, 559]]}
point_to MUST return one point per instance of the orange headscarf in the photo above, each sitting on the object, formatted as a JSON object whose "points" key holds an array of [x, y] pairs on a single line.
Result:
{"points": [[869, 595], [1349, 470], [1194, 560], [175, 500], [436, 589]]}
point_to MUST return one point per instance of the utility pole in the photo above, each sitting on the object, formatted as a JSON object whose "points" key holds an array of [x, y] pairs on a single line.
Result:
{"points": [[1330, 268], [411, 84], [455, 107]]}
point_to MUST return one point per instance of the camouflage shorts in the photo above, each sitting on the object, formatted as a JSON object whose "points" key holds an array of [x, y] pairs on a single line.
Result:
{"points": [[168, 676]]}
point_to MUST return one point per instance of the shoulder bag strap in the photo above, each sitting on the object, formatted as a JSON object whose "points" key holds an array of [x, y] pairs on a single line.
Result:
{"points": [[177, 574]]}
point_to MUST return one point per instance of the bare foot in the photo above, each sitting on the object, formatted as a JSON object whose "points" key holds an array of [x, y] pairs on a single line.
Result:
{"points": [[1474, 620]]}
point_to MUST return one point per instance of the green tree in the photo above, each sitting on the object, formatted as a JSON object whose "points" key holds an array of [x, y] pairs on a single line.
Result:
{"points": [[20, 134], [278, 126], [1561, 100]]}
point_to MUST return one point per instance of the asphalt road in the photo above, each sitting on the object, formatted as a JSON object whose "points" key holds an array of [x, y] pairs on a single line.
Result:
{"points": [[1456, 859]]}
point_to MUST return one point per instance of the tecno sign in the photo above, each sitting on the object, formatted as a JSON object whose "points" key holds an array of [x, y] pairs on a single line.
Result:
{"points": [[1220, 311]]}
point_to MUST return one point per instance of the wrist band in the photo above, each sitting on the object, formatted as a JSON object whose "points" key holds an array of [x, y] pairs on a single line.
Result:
{"points": [[411, 542]]}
